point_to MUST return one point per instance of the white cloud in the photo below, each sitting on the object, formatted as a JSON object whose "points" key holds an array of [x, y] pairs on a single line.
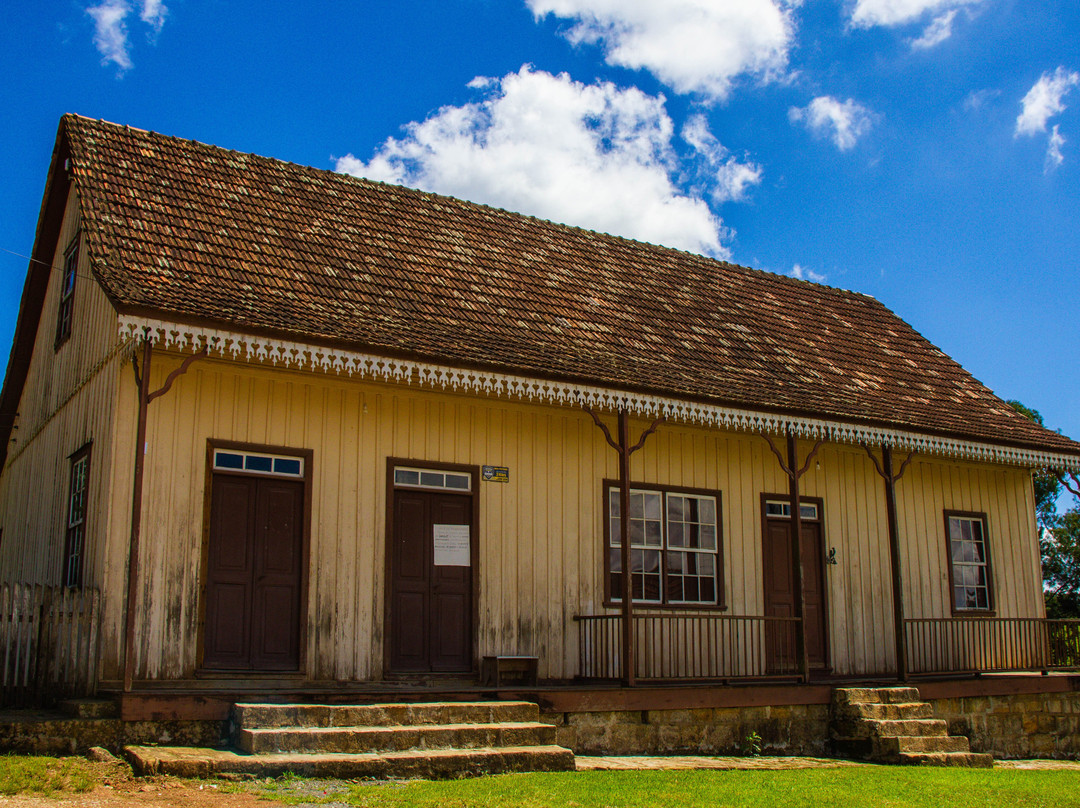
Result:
{"points": [[936, 32], [153, 14], [730, 179], [1054, 158], [977, 99], [890, 13], [111, 30], [867, 13], [592, 155], [692, 46], [804, 274], [825, 116], [1044, 100]]}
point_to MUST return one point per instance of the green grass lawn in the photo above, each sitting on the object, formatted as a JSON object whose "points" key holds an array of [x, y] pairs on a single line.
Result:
{"points": [[820, 788], [44, 775]]}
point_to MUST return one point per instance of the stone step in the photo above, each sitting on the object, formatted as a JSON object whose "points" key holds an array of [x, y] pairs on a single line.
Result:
{"points": [[874, 728], [184, 761], [394, 738], [890, 712], [890, 746], [875, 695], [382, 715], [970, 760]]}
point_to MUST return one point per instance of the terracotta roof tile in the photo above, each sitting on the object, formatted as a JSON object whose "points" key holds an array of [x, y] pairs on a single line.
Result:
{"points": [[199, 232]]}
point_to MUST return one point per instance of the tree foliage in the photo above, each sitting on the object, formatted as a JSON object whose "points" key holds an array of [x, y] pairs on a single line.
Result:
{"points": [[1059, 537], [1047, 486]]}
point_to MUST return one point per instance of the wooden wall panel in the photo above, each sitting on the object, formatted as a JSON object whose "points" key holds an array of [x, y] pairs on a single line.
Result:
{"points": [[68, 401], [540, 536]]}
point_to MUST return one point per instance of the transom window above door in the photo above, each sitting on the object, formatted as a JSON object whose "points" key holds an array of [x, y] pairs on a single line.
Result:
{"points": [[432, 479], [780, 509], [258, 463]]}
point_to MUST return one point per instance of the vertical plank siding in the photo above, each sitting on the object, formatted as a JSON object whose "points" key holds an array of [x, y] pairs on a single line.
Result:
{"points": [[68, 401], [540, 537]]}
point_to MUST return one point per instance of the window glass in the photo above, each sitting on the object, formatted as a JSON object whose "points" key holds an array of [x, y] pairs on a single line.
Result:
{"points": [[67, 292], [674, 547], [970, 558], [258, 463], [75, 539], [437, 480]]}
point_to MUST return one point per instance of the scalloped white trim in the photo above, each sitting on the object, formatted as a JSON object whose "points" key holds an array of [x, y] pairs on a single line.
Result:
{"points": [[249, 348]]}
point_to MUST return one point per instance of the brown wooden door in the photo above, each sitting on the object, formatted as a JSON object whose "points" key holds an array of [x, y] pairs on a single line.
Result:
{"points": [[431, 613], [254, 572], [780, 593]]}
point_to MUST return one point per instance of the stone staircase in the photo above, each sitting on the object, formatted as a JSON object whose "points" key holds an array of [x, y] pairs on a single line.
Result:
{"points": [[892, 725], [433, 740]]}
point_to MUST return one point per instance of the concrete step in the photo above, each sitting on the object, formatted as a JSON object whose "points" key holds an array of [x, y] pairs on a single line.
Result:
{"points": [[382, 715], [885, 712], [896, 745], [970, 760], [394, 738], [874, 728], [875, 695], [183, 761]]}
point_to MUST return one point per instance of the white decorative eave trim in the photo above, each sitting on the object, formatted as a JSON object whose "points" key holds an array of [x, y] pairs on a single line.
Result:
{"points": [[299, 355]]}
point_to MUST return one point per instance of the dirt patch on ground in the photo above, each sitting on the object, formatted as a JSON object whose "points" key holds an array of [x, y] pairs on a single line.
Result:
{"points": [[115, 787]]}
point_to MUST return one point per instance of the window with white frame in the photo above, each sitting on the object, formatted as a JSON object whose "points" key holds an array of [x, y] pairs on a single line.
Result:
{"points": [[969, 562], [75, 534], [676, 556]]}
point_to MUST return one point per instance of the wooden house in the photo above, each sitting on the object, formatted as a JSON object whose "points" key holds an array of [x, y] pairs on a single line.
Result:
{"points": [[306, 431]]}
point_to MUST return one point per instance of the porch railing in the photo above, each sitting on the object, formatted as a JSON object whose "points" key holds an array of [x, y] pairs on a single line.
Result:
{"points": [[48, 643], [690, 646], [991, 644]]}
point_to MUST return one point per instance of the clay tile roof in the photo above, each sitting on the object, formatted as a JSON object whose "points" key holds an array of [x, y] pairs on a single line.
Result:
{"points": [[201, 233]]}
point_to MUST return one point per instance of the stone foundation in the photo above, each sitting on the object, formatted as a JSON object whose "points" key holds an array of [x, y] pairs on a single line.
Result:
{"points": [[37, 734], [1019, 725], [799, 729]]}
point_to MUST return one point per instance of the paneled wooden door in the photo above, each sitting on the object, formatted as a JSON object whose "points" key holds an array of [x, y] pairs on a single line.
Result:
{"points": [[430, 605], [780, 589], [254, 574]]}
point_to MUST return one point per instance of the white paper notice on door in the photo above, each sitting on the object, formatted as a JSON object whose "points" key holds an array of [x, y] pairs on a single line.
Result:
{"points": [[452, 546]]}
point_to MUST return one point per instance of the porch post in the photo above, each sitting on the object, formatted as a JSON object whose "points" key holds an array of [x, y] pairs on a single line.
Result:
{"points": [[797, 557], [894, 556], [628, 658], [143, 379]]}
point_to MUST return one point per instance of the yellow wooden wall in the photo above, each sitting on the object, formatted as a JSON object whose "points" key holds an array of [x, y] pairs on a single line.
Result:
{"points": [[540, 536], [68, 401]]}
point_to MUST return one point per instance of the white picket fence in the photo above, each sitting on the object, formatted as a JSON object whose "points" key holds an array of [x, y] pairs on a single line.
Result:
{"points": [[48, 642]]}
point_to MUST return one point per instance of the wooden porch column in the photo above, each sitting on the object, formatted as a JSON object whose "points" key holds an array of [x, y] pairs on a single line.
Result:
{"points": [[623, 447], [797, 558], [142, 378], [885, 470], [628, 659]]}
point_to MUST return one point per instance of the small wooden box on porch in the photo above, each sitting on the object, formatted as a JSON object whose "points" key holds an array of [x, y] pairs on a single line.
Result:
{"points": [[497, 671]]}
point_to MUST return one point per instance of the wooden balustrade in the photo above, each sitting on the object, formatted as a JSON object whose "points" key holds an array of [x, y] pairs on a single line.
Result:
{"points": [[690, 646], [989, 644], [48, 643]]}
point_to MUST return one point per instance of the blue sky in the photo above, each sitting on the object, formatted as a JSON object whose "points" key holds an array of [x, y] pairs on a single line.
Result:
{"points": [[925, 152]]}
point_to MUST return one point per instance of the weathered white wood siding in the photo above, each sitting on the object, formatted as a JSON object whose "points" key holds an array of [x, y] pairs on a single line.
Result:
{"points": [[67, 402], [540, 554]]}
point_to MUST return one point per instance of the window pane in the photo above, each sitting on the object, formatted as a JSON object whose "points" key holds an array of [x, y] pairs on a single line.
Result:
{"points": [[458, 482], [653, 534], [707, 540], [679, 534], [228, 460], [406, 477], [652, 506], [614, 532], [707, 511], [954, 529], [965, 529], [676, 508], [637, 532], [613, 502], [615, 560], [434, 479], [807, 511], [283, 465], [637, 505], [256, 463]]}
